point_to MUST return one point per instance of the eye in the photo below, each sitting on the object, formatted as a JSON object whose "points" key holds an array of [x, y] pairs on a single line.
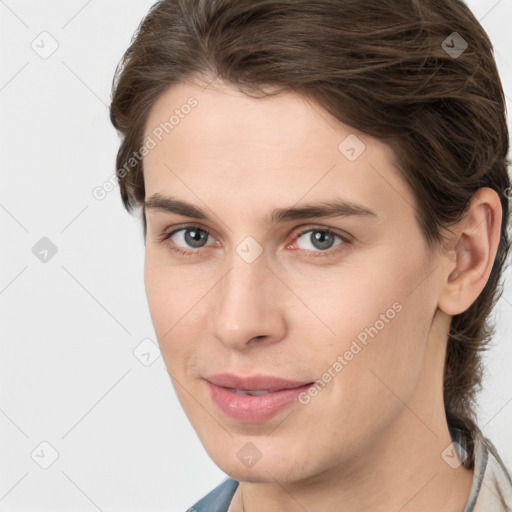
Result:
{"points": [[319, 240], [191, 237], [188, 240]]}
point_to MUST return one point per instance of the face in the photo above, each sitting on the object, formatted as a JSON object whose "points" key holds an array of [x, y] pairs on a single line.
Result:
{"points": [[252, 286]]}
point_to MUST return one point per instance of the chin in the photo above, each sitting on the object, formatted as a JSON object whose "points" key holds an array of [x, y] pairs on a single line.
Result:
{"points": [[269, 468]]}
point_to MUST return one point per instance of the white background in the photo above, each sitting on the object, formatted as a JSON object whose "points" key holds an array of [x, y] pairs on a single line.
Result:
{"points": [[68, 373]]}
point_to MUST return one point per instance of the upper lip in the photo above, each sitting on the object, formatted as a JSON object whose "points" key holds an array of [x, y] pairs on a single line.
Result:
{"points": [[254, 382]]}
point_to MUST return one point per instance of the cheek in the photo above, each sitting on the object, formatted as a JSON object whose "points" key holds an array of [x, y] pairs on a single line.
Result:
{"points": [[170, 290], [176, 303], [168, 296], [379, 315], [362, 301], [157, 293]]}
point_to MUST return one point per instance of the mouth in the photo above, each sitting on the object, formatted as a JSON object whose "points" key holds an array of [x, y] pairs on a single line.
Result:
{"points": [[253, 399], [252, 392], [257, 383]]}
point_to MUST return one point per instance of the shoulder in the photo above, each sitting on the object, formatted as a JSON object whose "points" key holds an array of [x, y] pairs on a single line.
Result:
{"points": [[492, 484], [218, 499]]}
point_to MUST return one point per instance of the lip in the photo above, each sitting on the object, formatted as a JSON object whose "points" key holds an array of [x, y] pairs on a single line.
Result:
{"points": [[257, 408], [252, 382]]}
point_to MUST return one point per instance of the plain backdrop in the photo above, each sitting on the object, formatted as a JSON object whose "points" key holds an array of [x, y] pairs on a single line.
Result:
{"points": [[88, 417]]}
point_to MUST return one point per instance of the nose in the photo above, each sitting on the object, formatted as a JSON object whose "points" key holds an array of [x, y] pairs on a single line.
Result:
{"points": [[249, 308]]}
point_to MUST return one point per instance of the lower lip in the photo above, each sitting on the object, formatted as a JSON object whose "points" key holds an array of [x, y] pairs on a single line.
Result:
{"points": [[253, 409]]}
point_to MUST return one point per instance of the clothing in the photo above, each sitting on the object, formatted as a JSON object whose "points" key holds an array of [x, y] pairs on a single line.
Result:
{"points": [[491, 490]]}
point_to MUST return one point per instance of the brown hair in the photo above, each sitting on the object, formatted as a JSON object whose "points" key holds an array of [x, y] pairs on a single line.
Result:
{"points": [[379, 66]]}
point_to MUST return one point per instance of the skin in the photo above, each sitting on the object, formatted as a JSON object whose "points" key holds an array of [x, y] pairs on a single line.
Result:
{"points": [[372, 439]]}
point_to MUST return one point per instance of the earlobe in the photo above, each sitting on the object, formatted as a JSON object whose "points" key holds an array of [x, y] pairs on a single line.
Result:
{"points": [[475, 240]]}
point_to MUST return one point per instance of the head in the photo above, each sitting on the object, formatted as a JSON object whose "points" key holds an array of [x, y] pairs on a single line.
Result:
{"points": [[247, 109]]}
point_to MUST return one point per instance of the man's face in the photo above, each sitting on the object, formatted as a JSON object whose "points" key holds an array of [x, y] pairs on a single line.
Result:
{"points": [[350, 310]]}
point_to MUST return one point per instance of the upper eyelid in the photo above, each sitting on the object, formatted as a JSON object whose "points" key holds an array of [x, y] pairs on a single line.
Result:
{"points": [[319, 228]]}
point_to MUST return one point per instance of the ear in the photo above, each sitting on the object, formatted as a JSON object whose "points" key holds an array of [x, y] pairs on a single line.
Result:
{"points": [[474, 244]]}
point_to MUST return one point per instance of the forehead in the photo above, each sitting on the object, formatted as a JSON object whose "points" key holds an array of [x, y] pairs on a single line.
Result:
{"points": [[219, 142], [222, 117]]}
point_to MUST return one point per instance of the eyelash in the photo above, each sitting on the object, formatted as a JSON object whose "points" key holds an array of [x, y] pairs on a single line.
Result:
{"points": [[310, 254]]}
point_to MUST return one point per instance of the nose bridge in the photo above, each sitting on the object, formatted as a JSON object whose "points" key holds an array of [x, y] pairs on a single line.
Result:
{"points": [[245, 306], [241, 293]]}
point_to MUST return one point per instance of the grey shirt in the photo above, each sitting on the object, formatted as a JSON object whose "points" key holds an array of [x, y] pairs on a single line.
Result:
{"points": [[491, 490]]}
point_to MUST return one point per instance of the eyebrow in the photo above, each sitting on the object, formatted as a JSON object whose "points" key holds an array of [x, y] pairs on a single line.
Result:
{"points": [[329, 209]]}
